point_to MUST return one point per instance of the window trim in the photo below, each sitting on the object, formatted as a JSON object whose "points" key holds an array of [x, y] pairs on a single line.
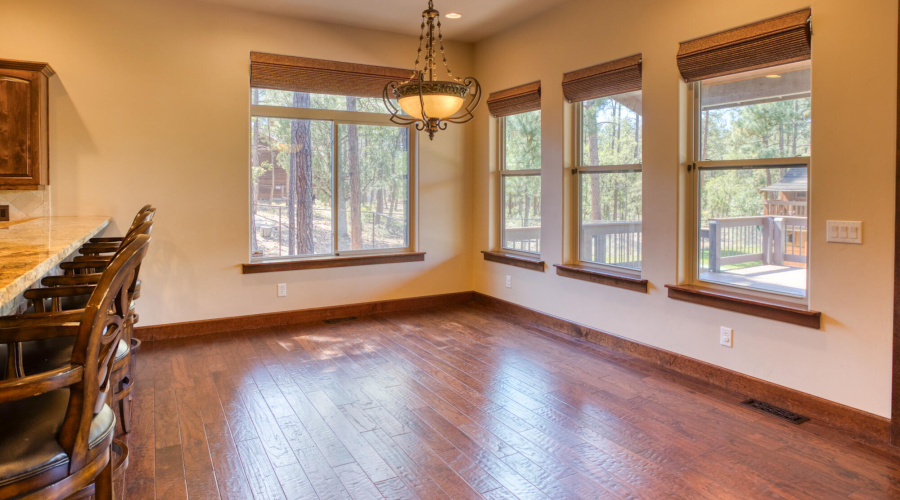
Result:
{"points": [[501, 195], [339, 118], [694, 166], [578, 169]]}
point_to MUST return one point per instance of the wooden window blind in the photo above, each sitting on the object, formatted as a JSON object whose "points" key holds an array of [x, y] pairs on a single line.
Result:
{"points": [[603, 80], [515, 100], [780, 40], [319, 76]]}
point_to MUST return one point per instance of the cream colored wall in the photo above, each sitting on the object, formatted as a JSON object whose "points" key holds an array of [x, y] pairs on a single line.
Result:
{"points": [[852, 177], [150, 105]]}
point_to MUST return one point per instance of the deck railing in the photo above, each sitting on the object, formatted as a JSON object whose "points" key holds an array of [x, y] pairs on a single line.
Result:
{"points": [[614, 243], [768, 239]]}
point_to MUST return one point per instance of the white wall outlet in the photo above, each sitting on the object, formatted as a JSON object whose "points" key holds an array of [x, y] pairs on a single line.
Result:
{"points": [[282, 289], [843, 231], [726, 336], [508, 281]]}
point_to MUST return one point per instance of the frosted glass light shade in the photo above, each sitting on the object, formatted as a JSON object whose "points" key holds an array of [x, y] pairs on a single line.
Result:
{"points": [[442, 99], [436, 106]]}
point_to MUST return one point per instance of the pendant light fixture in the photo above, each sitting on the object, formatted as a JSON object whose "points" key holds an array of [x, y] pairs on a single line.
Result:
{"points": [[426, 101]]}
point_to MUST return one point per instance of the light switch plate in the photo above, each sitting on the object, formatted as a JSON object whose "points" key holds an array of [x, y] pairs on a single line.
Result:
{"points": [[843, 231]]}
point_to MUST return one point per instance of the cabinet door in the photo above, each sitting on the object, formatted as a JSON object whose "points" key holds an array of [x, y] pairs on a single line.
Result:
{"points": [[19, 131]]}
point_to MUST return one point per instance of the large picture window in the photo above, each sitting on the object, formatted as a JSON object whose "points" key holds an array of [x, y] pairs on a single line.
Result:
{"points": [[752, 151], [330, 175]]}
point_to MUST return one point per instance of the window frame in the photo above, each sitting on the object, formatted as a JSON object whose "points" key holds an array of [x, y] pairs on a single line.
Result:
{"points": [[577, 170], [503, 173], [694, 166], [339, 118]]}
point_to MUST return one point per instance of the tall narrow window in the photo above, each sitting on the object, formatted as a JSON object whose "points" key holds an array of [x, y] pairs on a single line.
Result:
{"points": [[751, 150], [608, 163], [330, 174], [519, 121]]}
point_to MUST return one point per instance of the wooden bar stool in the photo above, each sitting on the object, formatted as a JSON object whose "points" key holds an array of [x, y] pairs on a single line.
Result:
{"points": [[57, 431]]}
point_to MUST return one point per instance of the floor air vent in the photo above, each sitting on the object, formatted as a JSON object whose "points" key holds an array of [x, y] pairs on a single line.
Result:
{"points": [[781, 413], [339, 320]]}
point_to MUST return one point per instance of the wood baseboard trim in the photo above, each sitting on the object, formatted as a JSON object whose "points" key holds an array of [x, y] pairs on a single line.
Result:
{"points": [[836, 415], [220, 325]]}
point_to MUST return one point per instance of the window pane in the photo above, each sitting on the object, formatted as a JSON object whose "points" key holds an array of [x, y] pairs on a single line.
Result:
{"points": [[758, 114], [373, 185], [523, 141], [290, 155], [610, 231], [521, 212], [753, 228], [269, 97], [611, 130]]}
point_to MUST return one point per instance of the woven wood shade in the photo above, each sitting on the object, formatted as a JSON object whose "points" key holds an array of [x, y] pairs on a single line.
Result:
{"points": [[519, 99], [603, 80], [319, 76], [780, 40]]}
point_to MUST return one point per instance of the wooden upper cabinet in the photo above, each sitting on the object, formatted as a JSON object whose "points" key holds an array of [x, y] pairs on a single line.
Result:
{"points": [[24, 113]]}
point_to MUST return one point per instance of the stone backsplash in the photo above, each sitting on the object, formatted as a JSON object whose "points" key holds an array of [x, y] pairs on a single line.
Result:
{"points": [[26, 204]]}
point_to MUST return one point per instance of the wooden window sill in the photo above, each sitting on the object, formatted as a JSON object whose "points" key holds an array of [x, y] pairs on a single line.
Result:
{"points": [[601, 277], [532, 263], [356, 260], [746, 304]]}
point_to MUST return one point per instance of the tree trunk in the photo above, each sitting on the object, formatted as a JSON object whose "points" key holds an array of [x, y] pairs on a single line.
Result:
{"points": [[637, 136], [300, 191], [705, 138], [356, 242], [379, 205], [393, 198], [594, 159]]}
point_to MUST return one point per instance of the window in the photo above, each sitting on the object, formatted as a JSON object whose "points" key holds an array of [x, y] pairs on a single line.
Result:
{"points": [[752, 152], [330, 174], [607, 194], [520, 182], [609, 181], [518, 113]]}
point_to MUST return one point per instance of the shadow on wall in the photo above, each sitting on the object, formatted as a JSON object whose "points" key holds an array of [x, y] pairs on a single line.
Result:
{"points": [[68, 128]]}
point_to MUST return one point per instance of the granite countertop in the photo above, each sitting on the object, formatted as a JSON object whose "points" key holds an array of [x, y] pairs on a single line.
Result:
{"points": [[30, 248]]}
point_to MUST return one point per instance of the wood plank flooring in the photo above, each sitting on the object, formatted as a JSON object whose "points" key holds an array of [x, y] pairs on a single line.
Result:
{"points": [[459, 403]]}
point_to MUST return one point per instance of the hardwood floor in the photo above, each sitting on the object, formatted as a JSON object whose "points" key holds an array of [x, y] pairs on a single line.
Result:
{"points": [[461, 403]]}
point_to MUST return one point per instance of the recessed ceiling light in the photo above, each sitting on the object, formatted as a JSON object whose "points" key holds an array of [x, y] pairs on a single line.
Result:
{"points": [[453, 15], [773, 75]]}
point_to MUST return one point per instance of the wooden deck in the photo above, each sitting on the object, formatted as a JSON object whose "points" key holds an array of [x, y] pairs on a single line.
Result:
{"points": [[460, 403], [789, 280]]}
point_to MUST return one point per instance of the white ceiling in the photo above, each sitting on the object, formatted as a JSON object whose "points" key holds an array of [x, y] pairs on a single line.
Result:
{"points": [[480, 18]]}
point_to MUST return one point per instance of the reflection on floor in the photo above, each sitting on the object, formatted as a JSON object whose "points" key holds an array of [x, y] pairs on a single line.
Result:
{"points": [[779, 279], [462, 403]]}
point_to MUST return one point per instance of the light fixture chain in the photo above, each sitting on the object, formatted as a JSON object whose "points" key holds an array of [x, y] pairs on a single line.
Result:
{"points": [[443, 53], [421, 40]]}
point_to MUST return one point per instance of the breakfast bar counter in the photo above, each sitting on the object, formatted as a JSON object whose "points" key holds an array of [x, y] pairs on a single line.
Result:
{"points": [[31, 248]]}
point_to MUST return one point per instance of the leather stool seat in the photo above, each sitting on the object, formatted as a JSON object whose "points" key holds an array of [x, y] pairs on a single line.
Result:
{"points": [[28, 446]]}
